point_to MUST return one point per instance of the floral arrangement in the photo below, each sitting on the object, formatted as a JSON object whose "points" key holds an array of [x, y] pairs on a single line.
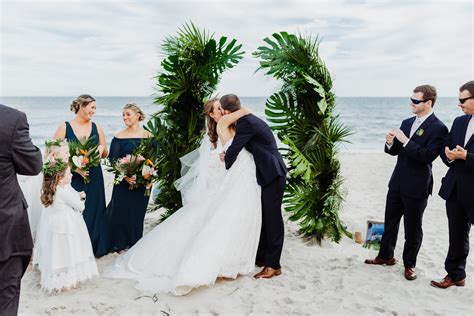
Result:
{"points": [[83, 154], [51, 167], [138, 167]]}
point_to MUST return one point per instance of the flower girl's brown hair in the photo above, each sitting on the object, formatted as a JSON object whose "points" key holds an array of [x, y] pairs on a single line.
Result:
{"points": [[52, 175]]}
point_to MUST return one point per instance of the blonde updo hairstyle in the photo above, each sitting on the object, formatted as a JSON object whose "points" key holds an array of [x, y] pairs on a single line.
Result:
{"points": [[136, 109], [80, 102]]}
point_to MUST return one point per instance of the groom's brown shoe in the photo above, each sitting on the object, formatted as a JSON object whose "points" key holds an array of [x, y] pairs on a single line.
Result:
{"points": [[410, 274], [447, 282], [380, 261], [267, 273]]}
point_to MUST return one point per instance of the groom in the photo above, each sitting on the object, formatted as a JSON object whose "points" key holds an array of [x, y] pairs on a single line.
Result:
{"points": [[18, 155], [256, 136]]}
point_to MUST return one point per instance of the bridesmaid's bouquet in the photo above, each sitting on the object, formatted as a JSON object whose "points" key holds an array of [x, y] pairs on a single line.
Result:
{"points": [[83, 155], [140, 167], [148, 175], [128, 166]]}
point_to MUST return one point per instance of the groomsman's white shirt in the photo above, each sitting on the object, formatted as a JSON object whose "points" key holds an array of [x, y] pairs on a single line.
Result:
{"points": [[469, 131], [416, 124]]}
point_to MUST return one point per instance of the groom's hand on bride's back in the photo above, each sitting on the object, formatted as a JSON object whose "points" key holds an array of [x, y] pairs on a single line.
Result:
{"points": [[222, 156]]}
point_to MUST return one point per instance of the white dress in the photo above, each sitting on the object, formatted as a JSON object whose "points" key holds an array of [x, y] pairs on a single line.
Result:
{"points": [[31, 188], [214, 236], [63, 251]]}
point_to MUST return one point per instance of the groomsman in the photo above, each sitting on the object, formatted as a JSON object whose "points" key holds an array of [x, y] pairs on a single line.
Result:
{"points": [[18, 155], [417, 143], [457, 188]]}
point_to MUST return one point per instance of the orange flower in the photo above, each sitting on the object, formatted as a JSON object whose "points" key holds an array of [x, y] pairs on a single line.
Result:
{"points": [[83, 151], [149, 162], [85, 161], [146, 176]]}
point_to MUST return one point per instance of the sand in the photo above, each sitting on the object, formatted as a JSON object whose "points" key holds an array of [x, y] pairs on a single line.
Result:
{"points": [[327, 279]]}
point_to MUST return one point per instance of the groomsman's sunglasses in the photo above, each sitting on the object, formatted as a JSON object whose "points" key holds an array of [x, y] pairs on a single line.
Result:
{"points": [[415, 101], [465, 99]]}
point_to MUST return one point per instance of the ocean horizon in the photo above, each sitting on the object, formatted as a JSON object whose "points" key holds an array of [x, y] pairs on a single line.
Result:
{"points": [[369, 117]]}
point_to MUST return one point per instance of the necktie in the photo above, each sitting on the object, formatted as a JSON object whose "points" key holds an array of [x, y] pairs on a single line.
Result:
{"points": [[415, 126]]}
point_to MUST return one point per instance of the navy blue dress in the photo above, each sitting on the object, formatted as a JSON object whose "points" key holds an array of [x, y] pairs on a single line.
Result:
{"points": [[126, 211], [95, 192]]}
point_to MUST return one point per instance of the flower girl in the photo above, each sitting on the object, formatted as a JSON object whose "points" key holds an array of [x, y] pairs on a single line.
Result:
{"points": [[63, 251]]}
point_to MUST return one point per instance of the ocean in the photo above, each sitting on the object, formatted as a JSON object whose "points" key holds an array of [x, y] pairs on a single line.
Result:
{"points": [[369, 117]]}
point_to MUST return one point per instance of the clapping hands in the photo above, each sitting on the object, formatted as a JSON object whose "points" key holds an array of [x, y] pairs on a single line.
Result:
{"points": [[456, 153], [398, 134]]}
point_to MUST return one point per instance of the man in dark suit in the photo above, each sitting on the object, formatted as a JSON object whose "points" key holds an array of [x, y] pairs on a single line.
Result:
{"points": [[417, 143], [457, 188], [18, 155], [257, 137]]}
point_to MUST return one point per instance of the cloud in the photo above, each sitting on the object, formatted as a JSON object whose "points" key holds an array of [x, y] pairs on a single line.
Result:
{"points": [[373, 47]]}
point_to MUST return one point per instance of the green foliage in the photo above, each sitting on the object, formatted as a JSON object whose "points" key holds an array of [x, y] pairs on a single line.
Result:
{"points": [[302, 115], [191, 71]]}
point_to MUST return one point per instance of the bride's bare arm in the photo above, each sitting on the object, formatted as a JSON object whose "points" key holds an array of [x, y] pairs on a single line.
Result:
{"points": [[233, 117]]}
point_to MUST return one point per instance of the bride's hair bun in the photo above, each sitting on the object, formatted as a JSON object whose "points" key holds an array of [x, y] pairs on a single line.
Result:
{"points": [[81, 101]]}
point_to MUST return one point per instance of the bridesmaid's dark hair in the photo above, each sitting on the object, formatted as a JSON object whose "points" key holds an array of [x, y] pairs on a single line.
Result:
{"points": [[48, 189], [211, 124], [81, 101]]}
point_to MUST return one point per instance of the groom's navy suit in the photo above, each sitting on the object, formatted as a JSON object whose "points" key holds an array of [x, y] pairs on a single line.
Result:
{"points": [[256, 136], [18, 155], [410, 185], [457, 188]]}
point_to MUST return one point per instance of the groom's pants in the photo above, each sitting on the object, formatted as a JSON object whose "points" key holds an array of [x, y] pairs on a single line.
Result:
{"points": [[460, 219], [412, 211], [11, 272], [272, 233]]}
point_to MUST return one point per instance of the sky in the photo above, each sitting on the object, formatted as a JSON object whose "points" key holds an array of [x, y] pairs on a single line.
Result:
{"points": [[112, 48]]}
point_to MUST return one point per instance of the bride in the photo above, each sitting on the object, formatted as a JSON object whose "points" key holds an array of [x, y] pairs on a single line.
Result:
{"points": [[215, 233]]}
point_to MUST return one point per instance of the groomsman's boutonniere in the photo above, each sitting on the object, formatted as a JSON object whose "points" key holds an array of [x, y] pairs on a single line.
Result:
{"points": [[420, 132]]}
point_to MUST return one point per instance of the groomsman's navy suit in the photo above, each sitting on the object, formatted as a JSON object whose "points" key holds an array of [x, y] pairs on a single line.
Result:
{"points": [[457, 188], [410, 185], [18, 155], [255, 135]]}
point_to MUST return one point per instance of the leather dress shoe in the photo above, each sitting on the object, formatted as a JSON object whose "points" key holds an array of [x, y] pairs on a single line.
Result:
{"points": [[380, 261], [267, 273], [447, 282], [410, 274]]}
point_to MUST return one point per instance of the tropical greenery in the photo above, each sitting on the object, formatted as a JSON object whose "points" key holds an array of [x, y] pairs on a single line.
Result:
{"points": [[302, 113], [193, 64]]}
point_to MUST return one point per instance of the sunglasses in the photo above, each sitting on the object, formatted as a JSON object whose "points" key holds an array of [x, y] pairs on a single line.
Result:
{"points": [[415, 101], [465, 99]]}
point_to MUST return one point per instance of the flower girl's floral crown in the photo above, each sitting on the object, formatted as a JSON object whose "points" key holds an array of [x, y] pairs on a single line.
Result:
{"points": [[51, 167]]}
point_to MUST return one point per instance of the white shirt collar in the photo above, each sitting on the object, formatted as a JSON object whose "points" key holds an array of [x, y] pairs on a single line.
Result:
{"points": [[424, 117]]}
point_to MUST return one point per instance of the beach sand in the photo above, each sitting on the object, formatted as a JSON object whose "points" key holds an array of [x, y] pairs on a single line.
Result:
{"points": [[327, 279]]}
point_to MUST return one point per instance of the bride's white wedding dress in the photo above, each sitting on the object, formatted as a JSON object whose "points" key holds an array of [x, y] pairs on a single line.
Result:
{"points": [[215, 234]]}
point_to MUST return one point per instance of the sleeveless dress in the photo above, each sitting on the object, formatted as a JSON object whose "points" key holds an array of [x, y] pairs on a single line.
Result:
{"points": [[95, 191], [124, 216], [214, 236]]}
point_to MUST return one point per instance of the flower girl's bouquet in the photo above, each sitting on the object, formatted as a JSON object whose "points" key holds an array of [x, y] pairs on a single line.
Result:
{"points": [[128, 166], [83, 155]]}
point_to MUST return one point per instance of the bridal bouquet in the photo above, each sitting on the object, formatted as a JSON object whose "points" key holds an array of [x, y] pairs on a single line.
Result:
{"points": [[83, 155], [129, 166]]}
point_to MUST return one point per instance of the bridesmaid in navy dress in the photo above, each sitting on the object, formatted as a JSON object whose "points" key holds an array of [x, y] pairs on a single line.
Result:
{"points": [[84, 107], [126, 210]]}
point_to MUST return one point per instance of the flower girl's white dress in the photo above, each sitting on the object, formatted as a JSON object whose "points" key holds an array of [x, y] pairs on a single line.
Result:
{"points": [[63, 250]]}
